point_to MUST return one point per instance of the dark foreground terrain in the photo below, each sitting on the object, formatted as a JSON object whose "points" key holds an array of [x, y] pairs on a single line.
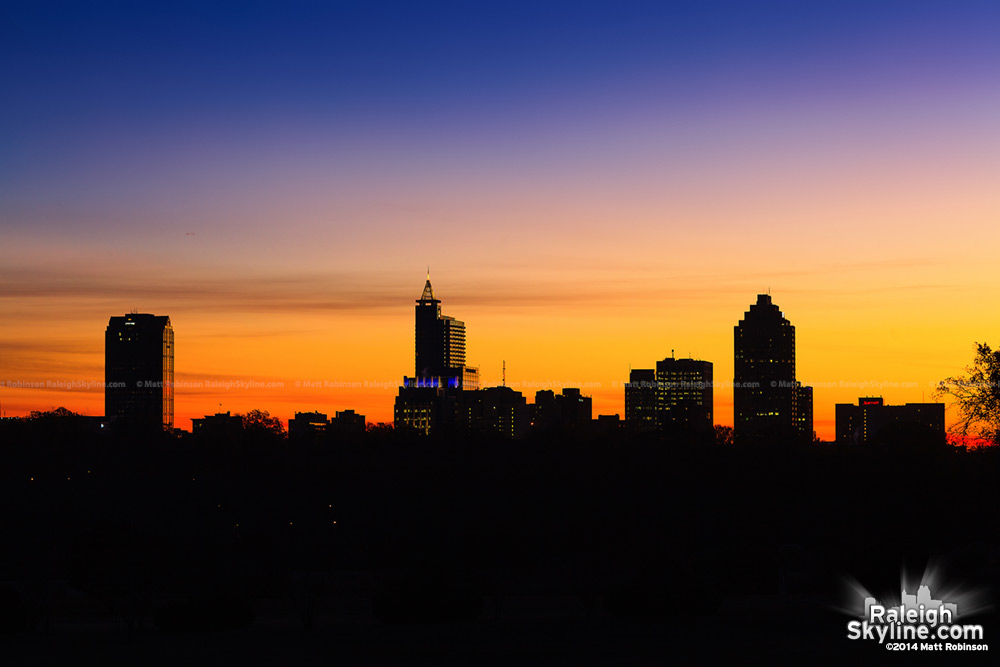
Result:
{"points": [[392, 549]]}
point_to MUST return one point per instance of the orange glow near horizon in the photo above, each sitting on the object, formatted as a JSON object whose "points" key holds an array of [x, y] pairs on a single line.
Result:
{"points": [[881, 254], [305, 356]]}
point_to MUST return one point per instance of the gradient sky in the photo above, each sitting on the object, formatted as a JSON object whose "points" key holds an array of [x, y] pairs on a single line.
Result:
{"points": [[592, 185]]}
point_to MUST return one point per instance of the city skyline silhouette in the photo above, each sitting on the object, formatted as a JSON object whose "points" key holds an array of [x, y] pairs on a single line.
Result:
{"points": [[467, 332], [623, 199], [443, 370], [479, 515]]}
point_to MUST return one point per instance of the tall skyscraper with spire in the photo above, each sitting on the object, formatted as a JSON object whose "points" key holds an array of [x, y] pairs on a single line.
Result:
{"points": [[435, 398], [440, 346], [769, 404]]}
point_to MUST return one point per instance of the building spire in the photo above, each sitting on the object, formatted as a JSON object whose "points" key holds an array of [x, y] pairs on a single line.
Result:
{"points": [[428, 294]]}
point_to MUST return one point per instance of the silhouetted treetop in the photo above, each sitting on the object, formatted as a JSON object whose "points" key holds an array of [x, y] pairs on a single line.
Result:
{"points": [[58, 412], [977, 396], [262, 421]]}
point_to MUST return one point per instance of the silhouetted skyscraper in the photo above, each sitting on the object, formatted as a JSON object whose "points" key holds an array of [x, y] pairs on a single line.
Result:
{"points": [[425, 409], [139, 370], [347, 424], [676, 398], [440, 346], [492, 410], [428, 401], [640, 400], [684, 395], [220, 427], [804, 411], [567, 411], [871, 420], [766, 396], [307, 425]]}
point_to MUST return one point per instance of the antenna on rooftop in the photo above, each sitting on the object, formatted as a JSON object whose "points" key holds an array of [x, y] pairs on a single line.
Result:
{"points": [[504, 375]]}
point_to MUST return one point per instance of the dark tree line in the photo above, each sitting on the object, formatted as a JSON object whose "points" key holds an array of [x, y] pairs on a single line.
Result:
{"points": [[159, 527]]}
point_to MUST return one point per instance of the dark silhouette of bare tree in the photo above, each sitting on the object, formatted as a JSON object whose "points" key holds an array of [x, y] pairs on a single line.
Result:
{"points": [[977, 396]]}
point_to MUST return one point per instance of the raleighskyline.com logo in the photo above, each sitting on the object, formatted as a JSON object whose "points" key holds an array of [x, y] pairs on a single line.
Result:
{"points": [[919, 623]]}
